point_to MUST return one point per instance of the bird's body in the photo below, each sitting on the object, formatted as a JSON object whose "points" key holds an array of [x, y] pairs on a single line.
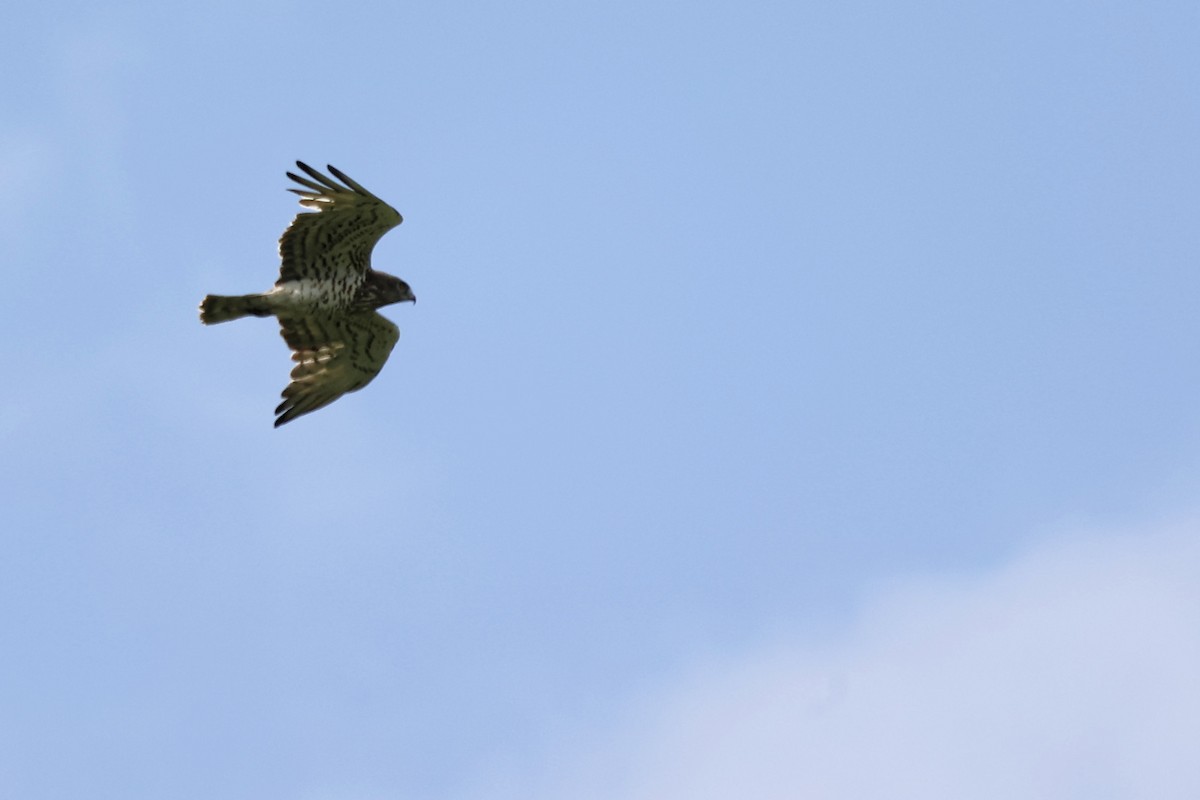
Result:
{"points": [[307, 296], [327, 293]]}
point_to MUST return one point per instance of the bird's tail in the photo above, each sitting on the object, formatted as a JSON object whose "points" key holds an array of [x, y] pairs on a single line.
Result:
{"points": [[222, 308]]}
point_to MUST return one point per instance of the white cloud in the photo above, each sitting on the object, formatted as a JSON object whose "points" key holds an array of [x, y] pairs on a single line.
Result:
{"points": [[1073, 672]]}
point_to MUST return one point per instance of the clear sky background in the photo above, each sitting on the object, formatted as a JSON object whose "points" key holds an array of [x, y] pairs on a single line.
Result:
{"points": [[803, 401]]}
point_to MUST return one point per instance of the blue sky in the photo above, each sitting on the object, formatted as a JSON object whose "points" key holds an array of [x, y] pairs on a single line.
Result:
{"points": [[802, 401]]}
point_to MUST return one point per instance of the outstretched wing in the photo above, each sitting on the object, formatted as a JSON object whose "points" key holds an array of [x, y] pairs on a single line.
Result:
{"points": [[334, 354], [338, 239]]}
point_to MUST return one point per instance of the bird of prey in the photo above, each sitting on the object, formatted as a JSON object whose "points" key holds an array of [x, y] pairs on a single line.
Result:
{"points": [[327, 293]]}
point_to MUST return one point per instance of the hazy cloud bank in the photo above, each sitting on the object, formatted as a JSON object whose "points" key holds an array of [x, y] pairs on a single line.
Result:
{"points": [[1072, 672]]}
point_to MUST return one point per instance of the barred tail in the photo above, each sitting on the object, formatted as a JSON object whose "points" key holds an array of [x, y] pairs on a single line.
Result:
{"points": [[221, 308]]}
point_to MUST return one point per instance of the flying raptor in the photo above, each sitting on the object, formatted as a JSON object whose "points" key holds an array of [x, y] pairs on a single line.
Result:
{"points": [[327, 293]]}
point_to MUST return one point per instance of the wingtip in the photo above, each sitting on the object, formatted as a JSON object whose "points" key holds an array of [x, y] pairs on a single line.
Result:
{"points": [[282, 412]]}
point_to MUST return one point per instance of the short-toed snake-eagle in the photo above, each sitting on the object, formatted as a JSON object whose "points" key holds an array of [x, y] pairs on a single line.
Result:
{"points": [[327, 293]]}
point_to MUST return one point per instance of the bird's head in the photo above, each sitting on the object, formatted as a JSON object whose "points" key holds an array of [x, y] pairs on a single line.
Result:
{"points": [[388, 289], [404, 293]]}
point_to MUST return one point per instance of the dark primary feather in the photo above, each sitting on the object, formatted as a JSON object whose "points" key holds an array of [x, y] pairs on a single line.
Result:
{"points": [[336, 242], [334, 354]]}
